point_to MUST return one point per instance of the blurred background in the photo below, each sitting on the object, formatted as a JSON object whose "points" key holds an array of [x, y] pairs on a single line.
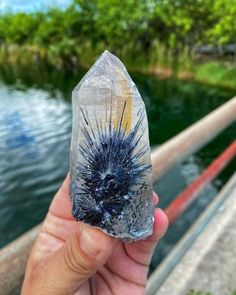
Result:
{"points": [[181, 54]]}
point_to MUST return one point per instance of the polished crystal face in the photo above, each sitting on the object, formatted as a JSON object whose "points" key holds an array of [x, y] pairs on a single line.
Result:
{"points": [[111, 183]]}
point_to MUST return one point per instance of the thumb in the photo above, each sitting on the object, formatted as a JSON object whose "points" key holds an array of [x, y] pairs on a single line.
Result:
{"points": [[64, 271]]}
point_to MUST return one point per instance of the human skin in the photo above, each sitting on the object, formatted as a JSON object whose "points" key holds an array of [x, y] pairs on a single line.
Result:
{"points": [[70, 257]]}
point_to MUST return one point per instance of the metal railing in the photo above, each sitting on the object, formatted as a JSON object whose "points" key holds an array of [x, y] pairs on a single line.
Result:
{"points": [[186, 197], [159, 276]]}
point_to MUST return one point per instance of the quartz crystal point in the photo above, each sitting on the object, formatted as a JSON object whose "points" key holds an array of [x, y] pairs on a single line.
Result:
{"points": [[111, 182]]}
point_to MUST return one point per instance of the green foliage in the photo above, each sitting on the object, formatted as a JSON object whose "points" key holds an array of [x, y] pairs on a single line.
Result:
{"points": [[216, 73], [19, 28], [140, 32], [224, 29], [192, 292]]}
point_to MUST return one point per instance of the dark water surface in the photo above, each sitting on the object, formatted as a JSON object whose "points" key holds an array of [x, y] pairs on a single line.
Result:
{"points": [[35, 126]]}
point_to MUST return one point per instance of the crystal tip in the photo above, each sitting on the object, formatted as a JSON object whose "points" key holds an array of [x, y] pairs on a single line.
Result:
{"points": [[112, 60]]}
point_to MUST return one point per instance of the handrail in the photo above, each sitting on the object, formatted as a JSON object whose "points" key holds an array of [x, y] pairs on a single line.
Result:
{"points": [[159, 276], [187, 196], [193, 138], [13, 257]]}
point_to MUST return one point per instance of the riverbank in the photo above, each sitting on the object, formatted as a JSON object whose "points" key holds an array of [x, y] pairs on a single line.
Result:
{"points": [[212, 72]]}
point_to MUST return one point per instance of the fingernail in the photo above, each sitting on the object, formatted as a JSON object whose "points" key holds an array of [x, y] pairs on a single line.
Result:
{"points": [[87, 243]]}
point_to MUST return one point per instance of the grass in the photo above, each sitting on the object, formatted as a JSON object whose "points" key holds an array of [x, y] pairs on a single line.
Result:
{"points": [[216, 73], [192, 292]]}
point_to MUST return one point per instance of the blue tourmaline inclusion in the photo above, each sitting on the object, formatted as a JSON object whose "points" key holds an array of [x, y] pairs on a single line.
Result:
{"points": [[110, 172]]}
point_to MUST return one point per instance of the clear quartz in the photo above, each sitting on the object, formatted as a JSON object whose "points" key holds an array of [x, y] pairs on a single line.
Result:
{"points": [[110, 169]]}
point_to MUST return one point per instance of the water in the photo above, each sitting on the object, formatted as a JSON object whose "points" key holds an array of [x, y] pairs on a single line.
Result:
{"points": [[35, 126]]}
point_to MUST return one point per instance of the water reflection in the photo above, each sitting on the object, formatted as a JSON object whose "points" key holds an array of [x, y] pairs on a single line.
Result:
{"points": [[35, 134]]}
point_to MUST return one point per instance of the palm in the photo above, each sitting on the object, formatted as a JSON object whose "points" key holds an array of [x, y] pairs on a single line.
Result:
{"points": [[125, 270]]}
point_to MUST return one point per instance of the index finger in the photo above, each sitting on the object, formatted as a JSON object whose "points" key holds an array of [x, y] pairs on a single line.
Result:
{"points": [[61, 205]]}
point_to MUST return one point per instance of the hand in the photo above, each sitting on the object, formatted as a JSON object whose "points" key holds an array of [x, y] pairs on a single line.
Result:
{"points": [[73, 258]]}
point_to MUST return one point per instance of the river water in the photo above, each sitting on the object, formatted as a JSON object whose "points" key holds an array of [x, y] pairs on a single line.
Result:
{"points": [[35, 127]]}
